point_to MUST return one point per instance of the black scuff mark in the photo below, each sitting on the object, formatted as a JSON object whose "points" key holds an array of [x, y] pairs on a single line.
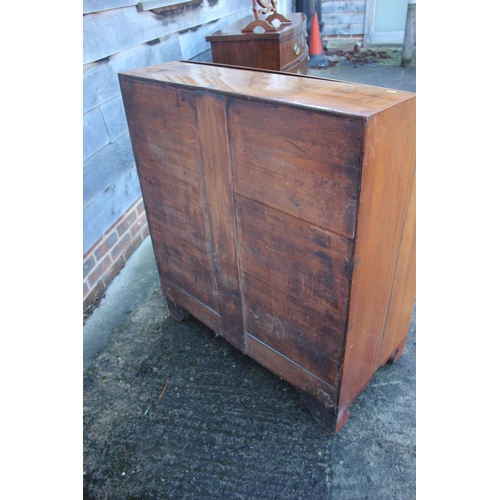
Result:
{"points": [[172, 10], [193, 29], [104, 60]]}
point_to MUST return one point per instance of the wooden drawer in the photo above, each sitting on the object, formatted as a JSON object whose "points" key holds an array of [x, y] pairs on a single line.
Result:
{"points": [[300, 67], [280, 50], [282, 215], [293, 50]]}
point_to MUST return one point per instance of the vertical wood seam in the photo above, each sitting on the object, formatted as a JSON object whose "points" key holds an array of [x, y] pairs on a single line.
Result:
{"points": [[201, 172], [218, 173], [353, 264], [237, 230], [203, 186]]}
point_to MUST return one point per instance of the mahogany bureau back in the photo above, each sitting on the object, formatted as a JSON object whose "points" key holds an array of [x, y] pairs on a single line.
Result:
{"points": [[282, 214]]}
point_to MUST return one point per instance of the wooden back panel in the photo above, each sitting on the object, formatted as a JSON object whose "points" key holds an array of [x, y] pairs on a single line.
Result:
{"points": [[282, 215], [295, 284], [165, 138], [305, 164]]}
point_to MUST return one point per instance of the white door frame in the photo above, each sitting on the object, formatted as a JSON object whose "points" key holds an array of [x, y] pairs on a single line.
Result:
{"points": [[379, 37]]}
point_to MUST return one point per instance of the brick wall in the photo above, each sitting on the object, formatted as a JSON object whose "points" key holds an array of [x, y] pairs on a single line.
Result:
{"points": [[342, 41], [109, 254], [343, 23]]}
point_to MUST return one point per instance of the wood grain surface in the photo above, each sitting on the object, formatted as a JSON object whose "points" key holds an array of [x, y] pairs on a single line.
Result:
{"points": [[164, 134], [217, 172], [306, 92], [296, 285], [304, 164]]}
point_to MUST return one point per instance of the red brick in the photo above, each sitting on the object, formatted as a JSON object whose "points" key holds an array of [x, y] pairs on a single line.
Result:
{"points": [[99, 271], [144, 232], [119, 248], [95, 292], [88, 265], [138, 225], [124, 226], [90, 251], [113, 271], [135, 228], [106, 246], [132, 247], [140, 208]]}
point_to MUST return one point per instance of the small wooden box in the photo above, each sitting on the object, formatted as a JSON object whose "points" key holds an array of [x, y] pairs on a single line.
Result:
{"points": [[282, 50], [282, 214]]}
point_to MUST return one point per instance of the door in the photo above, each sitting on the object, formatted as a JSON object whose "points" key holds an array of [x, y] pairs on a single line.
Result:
{"points": [[385, 22]]}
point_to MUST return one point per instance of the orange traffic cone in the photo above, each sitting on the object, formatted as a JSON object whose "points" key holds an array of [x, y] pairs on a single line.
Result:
{"points": [[316, 57]]}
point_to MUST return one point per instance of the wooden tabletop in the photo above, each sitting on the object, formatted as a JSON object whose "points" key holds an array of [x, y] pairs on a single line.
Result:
{"points": [[337, 96]]}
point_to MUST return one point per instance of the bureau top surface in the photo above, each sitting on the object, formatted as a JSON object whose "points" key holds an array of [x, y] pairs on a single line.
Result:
{"points": [[311, 92], [233, 32]]}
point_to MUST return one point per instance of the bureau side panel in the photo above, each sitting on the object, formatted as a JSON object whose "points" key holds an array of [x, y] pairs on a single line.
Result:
{"points": [[165, 138], [235, 53], [267, 54], [386, 183], [404, 288]]}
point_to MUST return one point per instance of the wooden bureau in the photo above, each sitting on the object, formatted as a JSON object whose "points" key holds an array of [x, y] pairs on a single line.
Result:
{"points": [[282, 214], [281, 50]]}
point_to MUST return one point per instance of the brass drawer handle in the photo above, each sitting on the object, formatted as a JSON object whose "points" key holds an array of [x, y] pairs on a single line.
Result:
{"points": [[296, 49]]}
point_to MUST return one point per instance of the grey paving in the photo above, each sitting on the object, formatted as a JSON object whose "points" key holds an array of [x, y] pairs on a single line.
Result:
{"points": [[172, 411], [127, 291], [389, 76]]}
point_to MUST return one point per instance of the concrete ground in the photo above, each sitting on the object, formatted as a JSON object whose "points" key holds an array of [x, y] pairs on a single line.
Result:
{"points": [[389, 76], [171, 411], [383, 72]]}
